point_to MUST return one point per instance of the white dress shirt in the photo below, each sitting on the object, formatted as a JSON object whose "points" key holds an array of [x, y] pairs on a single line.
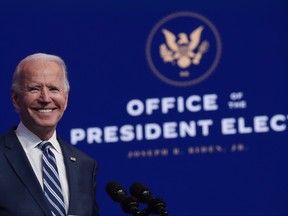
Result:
{"points": [[29, 142]]}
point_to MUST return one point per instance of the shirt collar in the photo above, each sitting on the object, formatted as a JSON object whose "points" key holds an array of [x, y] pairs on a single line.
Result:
{"points": [[29, 140], [53, 140]]}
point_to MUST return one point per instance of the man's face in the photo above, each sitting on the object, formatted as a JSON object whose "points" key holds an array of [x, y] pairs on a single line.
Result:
{"points": [[43, 97]]}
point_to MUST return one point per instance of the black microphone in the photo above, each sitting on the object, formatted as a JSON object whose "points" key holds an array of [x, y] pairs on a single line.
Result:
{"points": [[144, 195], [118, 194]]}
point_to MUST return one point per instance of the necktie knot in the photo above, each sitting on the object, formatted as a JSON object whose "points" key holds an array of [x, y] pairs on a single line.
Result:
{"points": [[45, 145]]}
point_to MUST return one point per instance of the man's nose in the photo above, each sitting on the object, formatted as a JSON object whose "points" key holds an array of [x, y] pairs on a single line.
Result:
{"points": [[45, 96]]}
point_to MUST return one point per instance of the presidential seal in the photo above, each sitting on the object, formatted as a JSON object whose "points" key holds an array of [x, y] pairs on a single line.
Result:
{"points": [[183, 49]]}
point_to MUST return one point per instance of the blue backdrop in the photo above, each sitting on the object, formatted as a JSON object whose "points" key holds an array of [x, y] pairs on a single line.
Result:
{"points": [[210, 138]]}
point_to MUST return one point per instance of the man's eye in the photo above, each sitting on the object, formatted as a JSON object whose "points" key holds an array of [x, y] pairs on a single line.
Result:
{"points": [[34, 89], [54, 89]]}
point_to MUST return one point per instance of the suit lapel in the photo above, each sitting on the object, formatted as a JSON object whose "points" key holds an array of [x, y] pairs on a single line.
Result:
{"points": [[71, 165], [21, 165]]}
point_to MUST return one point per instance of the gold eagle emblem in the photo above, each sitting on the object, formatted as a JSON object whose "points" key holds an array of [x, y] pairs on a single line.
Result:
{"points": [[182, 50]]}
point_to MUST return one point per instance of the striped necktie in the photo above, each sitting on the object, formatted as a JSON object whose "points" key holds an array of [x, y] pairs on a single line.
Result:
{"points": [[51, 183]]}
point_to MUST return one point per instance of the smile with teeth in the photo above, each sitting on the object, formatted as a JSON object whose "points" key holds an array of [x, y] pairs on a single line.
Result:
{"points": [[44, 110]]}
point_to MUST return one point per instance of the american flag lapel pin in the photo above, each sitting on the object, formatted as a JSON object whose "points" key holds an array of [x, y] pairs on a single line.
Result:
{"points": [[73, 159]]}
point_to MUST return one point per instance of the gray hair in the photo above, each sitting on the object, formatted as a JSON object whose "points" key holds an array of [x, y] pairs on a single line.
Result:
{"points": [[39, 57]]}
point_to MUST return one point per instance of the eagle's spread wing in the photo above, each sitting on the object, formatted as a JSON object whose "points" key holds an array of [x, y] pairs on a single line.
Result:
{"points": [[170, 40], [195, 38]]}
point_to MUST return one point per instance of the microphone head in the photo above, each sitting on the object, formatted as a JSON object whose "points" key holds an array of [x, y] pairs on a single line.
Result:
{"points": [[118, 194], [141, 192], [116, 191]]}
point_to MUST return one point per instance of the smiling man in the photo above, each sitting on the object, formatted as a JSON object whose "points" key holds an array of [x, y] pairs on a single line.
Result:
{"points": [[40, 174]]}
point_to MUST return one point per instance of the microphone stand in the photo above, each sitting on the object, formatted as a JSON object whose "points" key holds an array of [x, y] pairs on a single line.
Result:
{"points": [[145, 212]]}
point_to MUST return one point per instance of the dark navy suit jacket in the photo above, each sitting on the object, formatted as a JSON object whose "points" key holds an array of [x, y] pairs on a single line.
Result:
{"points": [[21, 193]]}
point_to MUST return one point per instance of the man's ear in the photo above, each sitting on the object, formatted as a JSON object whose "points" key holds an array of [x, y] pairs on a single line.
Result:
{"points": [[66, 96], [15, 100]]}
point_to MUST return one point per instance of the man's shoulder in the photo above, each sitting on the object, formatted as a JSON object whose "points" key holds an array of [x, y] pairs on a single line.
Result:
{"points": [[9, 134]]}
